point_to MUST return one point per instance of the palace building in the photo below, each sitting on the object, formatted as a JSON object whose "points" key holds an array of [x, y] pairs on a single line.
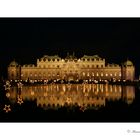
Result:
{"points": [[71, 68]]}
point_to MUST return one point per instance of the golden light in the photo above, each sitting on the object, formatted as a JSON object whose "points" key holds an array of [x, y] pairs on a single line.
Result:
{"points": [[68, 100], [20, 101], [7, 94], [7, 108]]}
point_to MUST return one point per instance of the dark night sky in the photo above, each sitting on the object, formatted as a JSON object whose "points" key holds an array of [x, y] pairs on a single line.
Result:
{"points": [[25, 40]]}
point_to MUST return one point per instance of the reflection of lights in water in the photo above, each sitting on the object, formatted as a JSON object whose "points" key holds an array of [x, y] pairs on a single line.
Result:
{"points": [[115, 88], [62, 93], [7, 94], [86, 94], [45, 94], [107, 94], [95, 92], [110, 88], [83, 108], [120, 89], [32, 93], [73, 96], [64, 88], [20, 101], [7, 108], [68, 100]]}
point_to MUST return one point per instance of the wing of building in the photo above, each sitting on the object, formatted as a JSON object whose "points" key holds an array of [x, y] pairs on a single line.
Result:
{"points": [[71, 68]]}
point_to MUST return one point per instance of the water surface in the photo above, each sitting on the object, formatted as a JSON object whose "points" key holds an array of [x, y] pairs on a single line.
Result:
{"points": [[70, 103]]}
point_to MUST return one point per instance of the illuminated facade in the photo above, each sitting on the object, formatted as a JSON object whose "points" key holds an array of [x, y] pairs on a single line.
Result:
{"points": [[71, 68]]}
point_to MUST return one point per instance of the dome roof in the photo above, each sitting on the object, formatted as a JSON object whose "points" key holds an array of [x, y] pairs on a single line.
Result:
{"points": [[13, 63], [128, 63]]}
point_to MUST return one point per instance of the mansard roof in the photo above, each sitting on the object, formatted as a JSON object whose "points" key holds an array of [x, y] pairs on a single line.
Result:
{"points": [[13, 64], [47, 57], [91, 57], [128, 63], [51, 56]]}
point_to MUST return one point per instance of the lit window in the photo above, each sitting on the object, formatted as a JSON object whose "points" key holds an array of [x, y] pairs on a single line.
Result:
{"points": [[102, 74], [83, 73], [110, 74], [88, 74], [115, 74], [119, 74], [97, 74], [106, 74], [92, 74]]}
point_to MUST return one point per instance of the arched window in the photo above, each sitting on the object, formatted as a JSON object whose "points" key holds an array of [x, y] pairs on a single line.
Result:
{"points": [[106, 74], [83, 73]]}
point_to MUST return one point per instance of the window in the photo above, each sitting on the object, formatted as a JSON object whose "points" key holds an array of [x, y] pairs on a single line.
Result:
{"points": [[97, 66], [83, 73], [102, 74], [106, 74]]}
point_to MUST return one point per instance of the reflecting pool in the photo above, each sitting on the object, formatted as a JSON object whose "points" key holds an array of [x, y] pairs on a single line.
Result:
{"points": [[70, 102]]}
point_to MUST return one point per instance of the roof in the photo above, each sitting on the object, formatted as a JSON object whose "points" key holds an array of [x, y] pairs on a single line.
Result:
{"points": [[13, 63], [91, 57], [51, 57], [128, 63]]}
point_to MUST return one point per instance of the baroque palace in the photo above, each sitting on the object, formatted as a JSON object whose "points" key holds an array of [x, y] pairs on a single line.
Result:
{"points": [[71, 68]]}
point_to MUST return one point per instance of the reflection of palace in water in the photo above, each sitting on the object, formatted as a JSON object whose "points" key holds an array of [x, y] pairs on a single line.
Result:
{"points": [[55, 95], [71, 68]]}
